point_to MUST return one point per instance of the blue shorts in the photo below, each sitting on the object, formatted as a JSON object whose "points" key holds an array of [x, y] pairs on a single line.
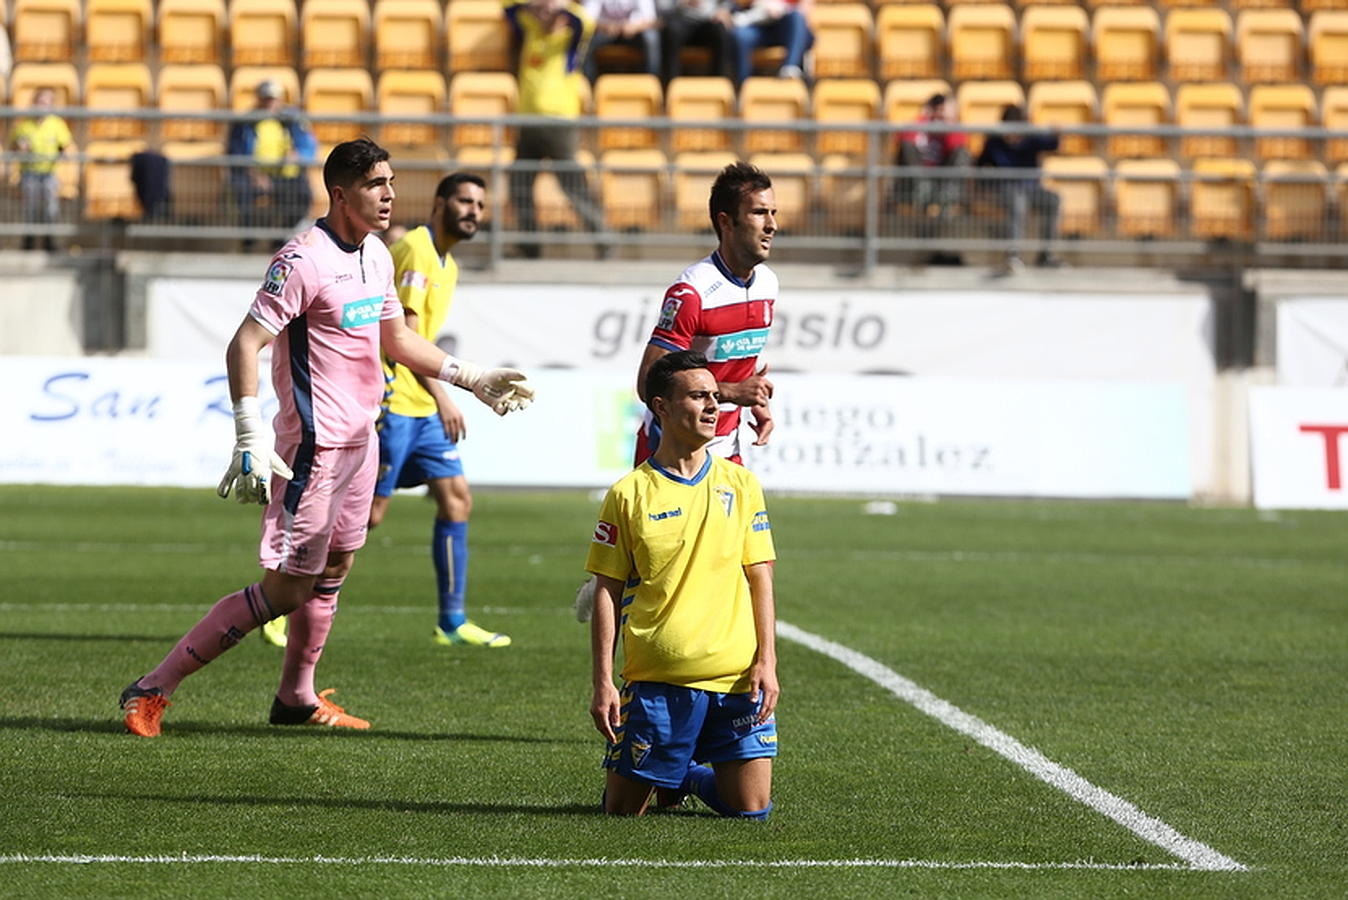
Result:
{"points": [[412, 451], [666, 727]]}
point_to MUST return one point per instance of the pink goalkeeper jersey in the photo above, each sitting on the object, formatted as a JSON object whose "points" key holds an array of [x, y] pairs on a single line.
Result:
{"points": [[324, 299]]}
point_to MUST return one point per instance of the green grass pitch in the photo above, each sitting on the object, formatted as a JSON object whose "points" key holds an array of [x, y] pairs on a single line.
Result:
{"points": [[1192, 662]]}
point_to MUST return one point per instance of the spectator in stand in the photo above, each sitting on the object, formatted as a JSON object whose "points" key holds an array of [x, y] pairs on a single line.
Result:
{"points": [[934, 198], [1019, 194], [627, 23], [701, 23], [42, 139], [772, 23], [274, 192]]}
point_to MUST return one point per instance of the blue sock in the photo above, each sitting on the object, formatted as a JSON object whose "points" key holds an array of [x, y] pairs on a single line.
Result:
{"points": [[701, 782], [449, 551]]}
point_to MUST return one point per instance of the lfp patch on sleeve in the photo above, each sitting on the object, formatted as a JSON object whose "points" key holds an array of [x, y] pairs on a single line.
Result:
{"points": [[276, 277], [669, 311], [413, 279]]}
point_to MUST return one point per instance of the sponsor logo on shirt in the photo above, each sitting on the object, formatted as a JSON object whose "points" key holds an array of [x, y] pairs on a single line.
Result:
{"points": [[667, 514], [276, 277], [413, 279], [606, 533], [362, 312], [760, 521], [740, 345]]}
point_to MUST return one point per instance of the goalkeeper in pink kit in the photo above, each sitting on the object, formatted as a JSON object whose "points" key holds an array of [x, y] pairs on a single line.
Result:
{"points": [[326, 307]]}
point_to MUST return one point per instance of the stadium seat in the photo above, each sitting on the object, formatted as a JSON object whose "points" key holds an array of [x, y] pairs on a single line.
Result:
{"points": [[842, 195], [1064, 104], [694, 172], [1258, 4], [482, 95], [1312, 6], [1126, 41], [1140, 104], [632, 184], [410, 92], [1187, 4], [692, 98], [844, 40], [1198, 44], [335, 33], [1054, 39], [329, 91], [1333, 117], [191, 31], [553, 211], [1094, 4], [982, 102], [1329, 47], [191, 88], [245, 79], [1283, 106], [46, 30], [1146, 198], [118, 30], [62, 78], [1082, 184], [632, 97], [765, 99], [792, 177], [1221, 199], [910, 41], [1269, 45], [407, 34], [262, 32], [982, 41], [904, 99], [1208, 106], [117, 88], [478, 38], [847, 100], [419, 171], [1296, 200], [108, 192], [196, 187]]}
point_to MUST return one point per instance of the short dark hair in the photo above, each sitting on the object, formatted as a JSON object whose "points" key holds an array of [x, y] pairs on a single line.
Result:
{"points": [[449, 185], [935, 100], [660, 376], [1012, 112], [348, 162], [735, 180]]}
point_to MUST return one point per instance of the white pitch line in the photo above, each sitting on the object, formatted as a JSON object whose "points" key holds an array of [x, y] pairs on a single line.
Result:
{"points": [[1197, 854]]}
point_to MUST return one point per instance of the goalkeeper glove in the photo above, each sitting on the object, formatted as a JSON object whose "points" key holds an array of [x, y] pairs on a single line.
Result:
{"points": [[504, 390], [254, 459]]}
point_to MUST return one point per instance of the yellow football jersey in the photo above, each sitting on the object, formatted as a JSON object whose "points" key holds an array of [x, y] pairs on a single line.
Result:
{"points": [[425, 284], [681, 546]]}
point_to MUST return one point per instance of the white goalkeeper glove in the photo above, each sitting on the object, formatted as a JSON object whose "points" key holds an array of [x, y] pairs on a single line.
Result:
{"points": [[504, 390], [254, 459]]}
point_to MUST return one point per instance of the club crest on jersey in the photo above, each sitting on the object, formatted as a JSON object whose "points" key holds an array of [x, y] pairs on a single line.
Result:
{"points": [[606, 533], [669, 311], [727, 497], [276, 277]]}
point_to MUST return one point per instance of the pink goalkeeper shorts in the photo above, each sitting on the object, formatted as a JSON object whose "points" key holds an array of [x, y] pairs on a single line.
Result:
{"points": [[325, 508]]}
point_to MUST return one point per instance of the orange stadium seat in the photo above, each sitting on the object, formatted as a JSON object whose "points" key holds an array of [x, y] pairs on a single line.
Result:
{"points": [[1054, 39], [331, 91], [191, 31], [846, 100], [262, 32], [1334, 117], [1269, 44], [628, 96], [694, 172], [1221, 199], [982, 41], [792, 177], [62, 78], [1093, 4], [336, 33], [1329, 47], [1064, 104], [553, 210], [982, 102], [1311, 6], [1283, 106], [118, 30], [1296, 200], [478, 38], [842, 194], [1258, 4], [410, 92], [910, 41], [1082, 184], [632, 184], [1137, 104], [1127, 43], [191, 88], [844, 40], [245, 79], [108, 192], [763, 100], [1209, 106], [46, 30], [1187, 4], [693, 98], [1146, 198], [1198, 44], [117, 88], [904, 99], [196, 187], [407, 34], [482, 95]]}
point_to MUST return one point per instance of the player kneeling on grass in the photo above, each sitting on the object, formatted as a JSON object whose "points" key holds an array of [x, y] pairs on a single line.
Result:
{"points": [[327, 307], [682, 557]]}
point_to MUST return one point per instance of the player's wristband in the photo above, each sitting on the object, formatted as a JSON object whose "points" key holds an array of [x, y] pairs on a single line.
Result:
{"points": [[247, 414]]}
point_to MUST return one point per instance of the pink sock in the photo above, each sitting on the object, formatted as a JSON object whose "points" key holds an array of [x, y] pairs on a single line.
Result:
{"points": [[307, 633], [231, 618]]}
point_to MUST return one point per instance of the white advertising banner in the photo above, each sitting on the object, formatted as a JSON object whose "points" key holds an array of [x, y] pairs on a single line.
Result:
{"points": [[1299, 447], [122, 421], [1313, 341]]}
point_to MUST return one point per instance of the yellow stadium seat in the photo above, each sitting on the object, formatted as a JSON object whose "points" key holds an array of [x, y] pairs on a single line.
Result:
{"points": [[1082, 184], [766, 100], [691, 98], [694, 172], [1333, 117], [792, 177], [982, 102], [910, 41], [62, 78], [191, 31], [1258, 4], [553, 210], [1296, 198], [904, 99], [1283, 106], [1137, 104], [1127, 42], [482, 95], [262, 32], [417, 172], [628, 96], [846, 100], [410, 92], [407, 34], [632, 184], [1054, 40], [842, 194], [478, 38], [336, 33], [108, 193], [1064, 104], [1209, 106], [1146, 198], [191, 88], [1311, 6], [844, 40], [46, 30], [1198, 44], [1329, 47], [1187, 4], [1269, 44], [1221, 199], [117, 88], [118, 30], [331, 91], [982, 41], [196, 186], [1094, 4]]}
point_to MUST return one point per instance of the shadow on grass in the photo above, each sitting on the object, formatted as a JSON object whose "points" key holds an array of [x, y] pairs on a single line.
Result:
{"points": [[114, 726], [400, 806]]}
